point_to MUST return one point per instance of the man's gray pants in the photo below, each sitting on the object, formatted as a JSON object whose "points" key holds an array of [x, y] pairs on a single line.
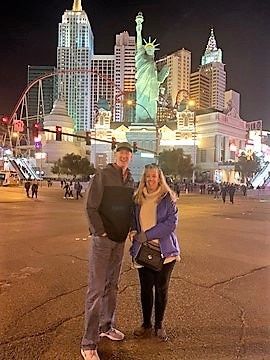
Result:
{"points": [[105, 260]]}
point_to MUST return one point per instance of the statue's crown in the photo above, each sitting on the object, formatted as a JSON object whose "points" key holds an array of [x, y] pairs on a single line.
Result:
{"points": [[151, 43]]}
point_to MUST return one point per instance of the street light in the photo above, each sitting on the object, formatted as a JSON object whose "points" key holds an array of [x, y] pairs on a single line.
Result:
{"points": [[191, 106], [191, 103], [131, 102], [194, 150]]}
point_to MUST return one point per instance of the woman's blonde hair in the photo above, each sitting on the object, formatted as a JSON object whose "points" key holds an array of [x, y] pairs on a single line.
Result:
{"points": [[138, 196]]}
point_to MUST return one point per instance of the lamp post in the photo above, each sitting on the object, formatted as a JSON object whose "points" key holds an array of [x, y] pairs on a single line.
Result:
{"points": [[191, 107], [194, 148], [134, 103]]}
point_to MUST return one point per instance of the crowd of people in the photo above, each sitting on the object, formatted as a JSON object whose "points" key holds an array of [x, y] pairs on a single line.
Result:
{"points": [[221, 190], [72, 188], [218, 190]]}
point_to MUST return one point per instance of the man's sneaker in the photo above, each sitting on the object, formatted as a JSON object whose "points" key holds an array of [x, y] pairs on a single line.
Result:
{"points": [[90, 354], [113, 334]]}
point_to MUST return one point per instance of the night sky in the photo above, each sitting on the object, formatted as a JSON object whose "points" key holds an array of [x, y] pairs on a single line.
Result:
{"points": [[29, 31]]}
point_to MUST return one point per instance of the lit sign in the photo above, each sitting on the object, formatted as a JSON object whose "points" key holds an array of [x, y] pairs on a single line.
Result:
{"points": [[18, 125], [147, 155]]}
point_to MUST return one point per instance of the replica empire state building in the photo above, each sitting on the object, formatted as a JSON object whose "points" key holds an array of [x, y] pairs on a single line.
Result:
{"points": [[74, 52]]}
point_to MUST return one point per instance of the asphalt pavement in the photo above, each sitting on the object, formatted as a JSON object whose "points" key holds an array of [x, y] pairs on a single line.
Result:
{"points": [[219, 294]]}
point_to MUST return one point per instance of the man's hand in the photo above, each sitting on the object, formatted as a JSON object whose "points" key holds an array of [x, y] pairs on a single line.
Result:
{"points": [[131, 234]]}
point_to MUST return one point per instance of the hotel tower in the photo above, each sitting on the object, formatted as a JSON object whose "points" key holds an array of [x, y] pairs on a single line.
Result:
{"points": [[213, 68], [74, 52]]}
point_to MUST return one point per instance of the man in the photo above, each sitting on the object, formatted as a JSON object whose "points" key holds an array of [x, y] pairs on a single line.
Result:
{"points": [[78, 189], [34, 189], [109, 210], [27, 186]]}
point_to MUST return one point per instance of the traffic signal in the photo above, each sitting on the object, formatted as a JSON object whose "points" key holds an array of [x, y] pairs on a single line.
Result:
{"points": [[58, 130], [35, 130], [88, 137], [113, 143], [38, 144], [135, 147], [36, 135]]}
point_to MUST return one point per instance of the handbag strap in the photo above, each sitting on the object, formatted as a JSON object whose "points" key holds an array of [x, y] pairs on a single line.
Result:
{"points": [[152, 245]]}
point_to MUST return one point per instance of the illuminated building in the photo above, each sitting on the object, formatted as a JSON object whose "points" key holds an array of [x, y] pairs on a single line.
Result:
{"points": [[213, 68], [124, 71], [200, 89], [116, 74], [102, 85], [75, 50], [59, 117], [179, 63]]}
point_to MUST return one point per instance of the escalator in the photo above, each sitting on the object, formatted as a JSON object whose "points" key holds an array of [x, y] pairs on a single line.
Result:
{"points": [[19, 170], [261, 177], [29, 169], [24, 170]]}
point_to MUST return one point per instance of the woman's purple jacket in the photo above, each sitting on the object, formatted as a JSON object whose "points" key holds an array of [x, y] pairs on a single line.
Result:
{"points": [[164, 230]]}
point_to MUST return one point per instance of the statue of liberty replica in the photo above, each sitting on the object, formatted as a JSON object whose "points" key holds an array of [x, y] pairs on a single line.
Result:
{"points": [[148, 78]]}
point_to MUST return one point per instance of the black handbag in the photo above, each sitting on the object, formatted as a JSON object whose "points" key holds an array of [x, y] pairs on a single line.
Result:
{"points": [[149, 256]]}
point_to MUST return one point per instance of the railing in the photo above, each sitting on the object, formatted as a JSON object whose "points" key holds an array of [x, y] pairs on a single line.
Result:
{"points": [[261, 177], [24, 169], [225, 163]]}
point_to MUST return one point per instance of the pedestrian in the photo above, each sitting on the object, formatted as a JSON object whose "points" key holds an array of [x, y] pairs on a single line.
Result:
{"points": [[27, 186], [109, 210], [156, 217], [231, 190], [34, 189], [178, 189], [244, 189], [223, 192], [216, 190], [68, 191], [78, 189], [71, 187]]}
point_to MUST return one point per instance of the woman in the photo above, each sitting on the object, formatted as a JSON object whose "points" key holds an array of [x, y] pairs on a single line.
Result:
{"points": [[155, 220]]}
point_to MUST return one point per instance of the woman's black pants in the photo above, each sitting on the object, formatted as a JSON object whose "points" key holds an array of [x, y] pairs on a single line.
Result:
{"points": [[154, 284]]}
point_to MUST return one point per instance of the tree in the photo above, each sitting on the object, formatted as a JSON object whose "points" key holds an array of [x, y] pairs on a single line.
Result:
{"points": [[73, 165], [246, 166], [86, 168], [175, 162], [57, 167]]}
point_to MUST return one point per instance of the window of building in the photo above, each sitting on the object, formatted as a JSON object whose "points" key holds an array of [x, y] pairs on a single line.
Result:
{"points": [[202, 155]]}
